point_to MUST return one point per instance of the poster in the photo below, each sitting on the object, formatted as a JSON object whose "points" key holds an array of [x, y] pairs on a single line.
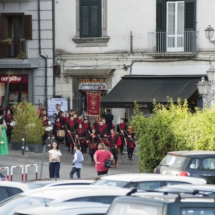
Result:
{"points": [[93, 104], [63, 102]]}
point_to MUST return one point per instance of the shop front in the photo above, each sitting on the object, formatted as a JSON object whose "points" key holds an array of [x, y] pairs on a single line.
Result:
{"points": [[146, 89], [18, 81], [90, 86], [86, 81]]}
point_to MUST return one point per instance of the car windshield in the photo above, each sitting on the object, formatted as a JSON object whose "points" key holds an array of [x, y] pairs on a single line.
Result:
{"points": [[132, 208], [113, 183], [173, 161], [11, 205]]}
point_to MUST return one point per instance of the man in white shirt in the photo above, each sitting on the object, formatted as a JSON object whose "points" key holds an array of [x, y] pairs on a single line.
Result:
{"points": [[77, 162]]}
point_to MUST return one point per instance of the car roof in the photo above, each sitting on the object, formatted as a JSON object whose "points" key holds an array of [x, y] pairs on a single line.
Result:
{"points": [[41, 210], [54, 192], [92, 192], [19, 185], [190, 187], [199, 153], [69, 182], [160, 198], [154, 177]]}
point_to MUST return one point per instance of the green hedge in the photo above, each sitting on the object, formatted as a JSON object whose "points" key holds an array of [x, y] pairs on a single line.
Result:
{"points": [[171, 128]]}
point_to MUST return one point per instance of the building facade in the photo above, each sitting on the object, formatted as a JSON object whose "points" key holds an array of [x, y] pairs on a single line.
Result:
{"points": [[159, 44], [29, 54]]}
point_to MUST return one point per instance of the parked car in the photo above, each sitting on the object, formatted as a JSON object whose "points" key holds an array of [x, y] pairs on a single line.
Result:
{"points": [[77, 208], [103, 195], [9, 188], [3, 178], [37, 183], [144, 181], [38, 197], [70, 183], [161, 204], [200, 164], [199, 190]]}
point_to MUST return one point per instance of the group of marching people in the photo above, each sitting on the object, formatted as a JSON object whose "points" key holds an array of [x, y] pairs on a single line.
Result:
{"points": [[75, 128]]}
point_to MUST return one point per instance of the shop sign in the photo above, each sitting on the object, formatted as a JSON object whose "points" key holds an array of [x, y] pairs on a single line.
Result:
{"points": [[13, 79], [92, 84]]}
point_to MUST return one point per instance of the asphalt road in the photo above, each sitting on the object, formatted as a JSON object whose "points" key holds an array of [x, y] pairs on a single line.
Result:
{"points": [[88, 171]]}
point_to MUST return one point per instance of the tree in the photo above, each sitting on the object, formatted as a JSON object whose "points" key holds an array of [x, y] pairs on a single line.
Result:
{"points": [[28, 122]]}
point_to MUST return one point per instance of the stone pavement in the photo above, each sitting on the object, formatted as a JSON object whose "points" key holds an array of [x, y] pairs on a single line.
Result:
{"points": [[88, 170]]}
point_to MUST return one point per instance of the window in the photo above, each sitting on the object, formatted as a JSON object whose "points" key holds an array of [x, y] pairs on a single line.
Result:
{"points": [[173, 161], [103, 199], [90, 18], [14, 191], [208, 164], [176, 26], [3, 193], [149, 185], [17, 27], [197, 211], [82, 199], [134, 209], [112, 183], [194, 164]]}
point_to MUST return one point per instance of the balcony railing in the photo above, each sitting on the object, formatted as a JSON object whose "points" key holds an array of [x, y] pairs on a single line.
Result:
{"points": [[13, 49], [160, 42]]}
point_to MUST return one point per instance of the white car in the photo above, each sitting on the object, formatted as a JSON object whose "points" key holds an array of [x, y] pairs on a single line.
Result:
{"points": [[38, 197], [103, 195], [70, 183], [9, 188], [145, 181], [65, 209]]}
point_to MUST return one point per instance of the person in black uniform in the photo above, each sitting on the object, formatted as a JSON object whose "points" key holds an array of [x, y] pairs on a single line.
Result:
{"points": [[114, 143], [109, 119]]}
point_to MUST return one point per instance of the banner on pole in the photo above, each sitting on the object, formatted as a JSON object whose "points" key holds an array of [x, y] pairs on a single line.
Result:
{"points": [[93, 104]]}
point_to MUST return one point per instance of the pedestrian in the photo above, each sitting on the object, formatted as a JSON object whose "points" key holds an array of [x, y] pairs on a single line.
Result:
{"points": [[109, 118], [77, 162], [115, 142], [130, 142], [99, 157], [3, 138], [54, 160]]}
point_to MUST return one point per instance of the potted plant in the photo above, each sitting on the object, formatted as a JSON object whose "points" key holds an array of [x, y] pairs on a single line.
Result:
{"points": [[28, 122], [22, 55], [6, 41]]}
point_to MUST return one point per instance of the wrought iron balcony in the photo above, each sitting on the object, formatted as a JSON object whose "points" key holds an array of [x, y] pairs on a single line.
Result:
{"points": [[13, 49], [172, 44]]}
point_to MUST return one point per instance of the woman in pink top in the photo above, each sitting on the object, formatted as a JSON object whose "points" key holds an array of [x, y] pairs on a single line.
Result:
{"points": [[99, 157]]}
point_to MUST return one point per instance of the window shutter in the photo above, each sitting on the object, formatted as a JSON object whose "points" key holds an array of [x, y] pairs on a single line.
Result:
{"points": [[161, 25], [84, 18], [190, 15], [90, 18], [190, 26], [27, 27], [95, 15], [161, 15]]}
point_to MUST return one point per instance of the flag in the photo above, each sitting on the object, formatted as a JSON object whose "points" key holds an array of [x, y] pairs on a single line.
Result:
{"points": [[20, 90], [6, 95], [93, 104]]}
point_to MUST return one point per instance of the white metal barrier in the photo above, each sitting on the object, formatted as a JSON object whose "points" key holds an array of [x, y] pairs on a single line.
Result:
{"points": [[26, 171], [8, 171], [11, 172]]}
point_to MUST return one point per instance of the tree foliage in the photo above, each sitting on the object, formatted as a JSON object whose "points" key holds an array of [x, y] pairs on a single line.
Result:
{"points": [[172, 127], [27, 122]]}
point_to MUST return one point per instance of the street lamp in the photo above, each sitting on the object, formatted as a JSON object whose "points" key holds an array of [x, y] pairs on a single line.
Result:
{"points": [[209, 32], [207, 88]]}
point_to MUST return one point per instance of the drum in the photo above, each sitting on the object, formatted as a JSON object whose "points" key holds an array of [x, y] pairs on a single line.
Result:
{"points": [[61, 133], [49, 128]]}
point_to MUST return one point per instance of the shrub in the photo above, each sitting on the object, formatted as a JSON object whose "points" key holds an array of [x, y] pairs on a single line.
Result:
{"points": [[28, 122], [172, 127]]}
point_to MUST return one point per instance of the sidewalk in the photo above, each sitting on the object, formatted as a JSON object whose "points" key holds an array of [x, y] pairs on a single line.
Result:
{"points": [[88, 170]]}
